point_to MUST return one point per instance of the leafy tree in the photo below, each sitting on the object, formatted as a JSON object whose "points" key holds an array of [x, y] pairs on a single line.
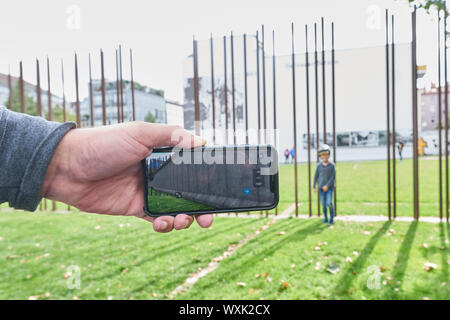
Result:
{"points": [[31, 106], [150, 118], [428, 4]]}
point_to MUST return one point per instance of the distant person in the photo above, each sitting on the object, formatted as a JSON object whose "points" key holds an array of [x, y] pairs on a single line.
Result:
{"points": [[293, 154], [325, 177], [400, 145], [96, 170], [286, 155]]}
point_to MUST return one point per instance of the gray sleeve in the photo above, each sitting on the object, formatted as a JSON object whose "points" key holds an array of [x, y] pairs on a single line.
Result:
{"points": [[27, 145], [331, 180]]}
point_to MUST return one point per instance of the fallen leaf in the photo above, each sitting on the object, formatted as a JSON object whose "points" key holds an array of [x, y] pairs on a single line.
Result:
{"points": [[250, 290], [333, 268], [241, 284], [281, 233], [425, 245], [284, 285], [349, 259], [428, 266], [383, 268]]}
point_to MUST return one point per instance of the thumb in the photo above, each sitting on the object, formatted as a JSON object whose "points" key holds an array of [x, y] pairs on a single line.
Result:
{"points": [[161, 135]]}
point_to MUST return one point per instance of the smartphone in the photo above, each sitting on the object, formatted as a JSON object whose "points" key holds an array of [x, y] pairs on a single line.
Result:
{"points": [[212, 179]]}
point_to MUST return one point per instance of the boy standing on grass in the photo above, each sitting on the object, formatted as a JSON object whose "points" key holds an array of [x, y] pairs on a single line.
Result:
{"points": [[325, 177]]}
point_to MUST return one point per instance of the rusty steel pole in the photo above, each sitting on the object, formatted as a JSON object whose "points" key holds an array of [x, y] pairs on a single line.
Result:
{"points": [[91, 94], [245, 89], [63, 92], [415, 116], [394, 136], [440, 115], [333, 101], [22, 90], [133, 106], [103, 87], [117, 87], [274, 82], [9, 89], [324, 95], [77, 93], [213, 89], [196, 90], [122, 112], [308, 122], [388, 121], [38, 90], [49, 92], [316, 82], [294, 107], [258, 87], [264, 82], [233, 101], [446, 113], [225, 88]]}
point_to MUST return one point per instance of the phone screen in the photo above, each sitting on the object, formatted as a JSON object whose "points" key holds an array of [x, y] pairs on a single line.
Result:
{"points": [[211, 179]]}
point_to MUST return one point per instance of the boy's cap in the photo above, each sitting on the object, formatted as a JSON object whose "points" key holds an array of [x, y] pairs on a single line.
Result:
{"points": [[324, 149]]}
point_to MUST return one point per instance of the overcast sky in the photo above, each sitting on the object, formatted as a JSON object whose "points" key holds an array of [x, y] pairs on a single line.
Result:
{"points": [[160, 32]]}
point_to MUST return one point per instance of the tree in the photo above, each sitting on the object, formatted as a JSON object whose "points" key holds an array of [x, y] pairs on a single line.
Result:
{"points": [[30, 105], [150, 118], [428, 4]]}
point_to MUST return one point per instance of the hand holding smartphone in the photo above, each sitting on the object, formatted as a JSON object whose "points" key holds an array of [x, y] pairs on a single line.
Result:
{"points": [[210, 180]]}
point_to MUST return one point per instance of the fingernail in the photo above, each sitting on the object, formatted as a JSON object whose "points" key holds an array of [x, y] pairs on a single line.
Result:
{"points": [[186, 223], [199, 140], [162, 225]]}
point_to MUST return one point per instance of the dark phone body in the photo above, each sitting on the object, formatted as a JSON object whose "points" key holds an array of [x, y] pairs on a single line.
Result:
{"points": [[171, 188]]}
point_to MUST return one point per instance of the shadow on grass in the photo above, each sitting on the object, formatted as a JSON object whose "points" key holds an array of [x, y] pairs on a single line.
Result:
{"points": [[349, 276], [171, 248], [403, 257], [298, 235]]}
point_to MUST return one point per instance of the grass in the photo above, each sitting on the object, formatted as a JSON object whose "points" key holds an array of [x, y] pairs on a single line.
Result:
{"points": [[167, 203], [362, 188], [119, 257], [290, 261]]}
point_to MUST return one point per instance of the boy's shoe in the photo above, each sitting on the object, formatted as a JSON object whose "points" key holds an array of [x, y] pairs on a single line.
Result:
{"points": [[324, 221], [331, 223]]}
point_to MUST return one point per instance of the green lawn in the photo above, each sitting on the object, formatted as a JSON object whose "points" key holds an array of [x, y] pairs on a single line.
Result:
{"points": [[362, 188], [119, 257], [299, 252], [122, 258]]}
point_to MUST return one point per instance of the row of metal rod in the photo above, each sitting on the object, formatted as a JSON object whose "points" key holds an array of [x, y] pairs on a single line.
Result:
{"points": [[261, 99]]}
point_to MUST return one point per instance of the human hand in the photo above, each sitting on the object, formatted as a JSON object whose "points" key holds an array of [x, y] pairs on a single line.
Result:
{"points": [[325, 188], [99, 170], [315, 190]]}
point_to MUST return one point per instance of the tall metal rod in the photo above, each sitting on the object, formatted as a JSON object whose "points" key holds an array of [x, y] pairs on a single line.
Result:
{"points": [[446, 112], [308, 122], [274, 82], [388, 122], [22, 90], [295, 120], [117, 87], [91, 97], [333, 101], [49, 92], [103, 87], [264, 82], [316, 82], [38, 90], [440, 116], [63, 92], [213, 89], [324, 95], [77, 93], [394, 136], [225, 88], [9, 89], [415, 116], [122, 112], [245, 89], [133, 105], [258, 88], [196, 91], [232, 87]]}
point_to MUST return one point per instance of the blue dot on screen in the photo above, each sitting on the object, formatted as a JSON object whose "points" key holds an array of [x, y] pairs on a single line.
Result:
{"points": [[246, 191]]}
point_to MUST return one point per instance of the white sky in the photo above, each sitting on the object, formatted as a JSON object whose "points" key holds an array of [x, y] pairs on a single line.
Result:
{"points": [[160, 32]]}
